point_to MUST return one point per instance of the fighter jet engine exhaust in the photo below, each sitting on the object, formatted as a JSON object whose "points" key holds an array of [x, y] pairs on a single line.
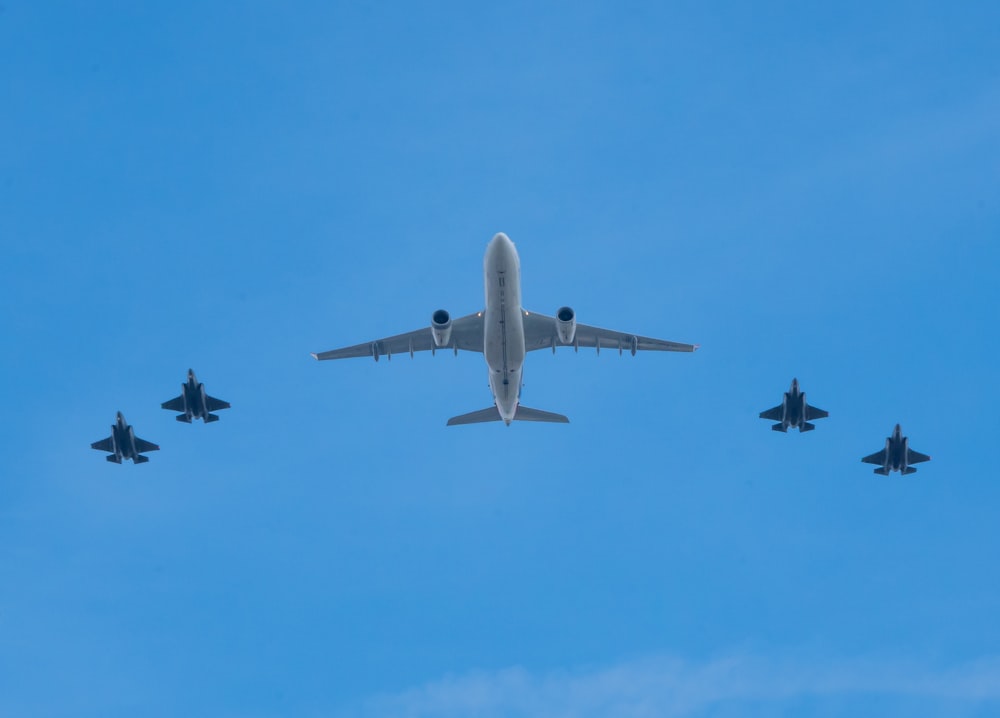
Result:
{"points": [[566, 325], [441, 328]]}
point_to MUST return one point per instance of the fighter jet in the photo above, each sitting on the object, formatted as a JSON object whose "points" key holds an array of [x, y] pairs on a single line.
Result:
{"points": [[124, 444], [504, 332], [194, 403], [793, 411], [896, 456]]}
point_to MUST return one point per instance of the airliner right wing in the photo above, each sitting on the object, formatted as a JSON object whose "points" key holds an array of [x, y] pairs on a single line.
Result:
{"points": [[466, 334], [540, 333]]}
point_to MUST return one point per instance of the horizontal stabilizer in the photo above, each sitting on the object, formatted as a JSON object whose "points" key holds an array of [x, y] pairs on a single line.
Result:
{"points": [[476, 417], [140, 459], [909, 470], [778, 427], [211, 417], [882, 470], [526, 414], [806, 426], [493, 414], [113, 458], [183, 417]]}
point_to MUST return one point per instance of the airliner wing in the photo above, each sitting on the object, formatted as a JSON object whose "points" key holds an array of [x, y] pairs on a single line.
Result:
{"points": [[540, 333], [466, 334]]}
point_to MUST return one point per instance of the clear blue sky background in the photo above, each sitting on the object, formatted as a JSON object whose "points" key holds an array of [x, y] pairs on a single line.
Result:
{"points": [[804, 192]]}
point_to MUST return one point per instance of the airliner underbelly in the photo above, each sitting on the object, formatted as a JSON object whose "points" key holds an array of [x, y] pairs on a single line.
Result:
{"points": [[503, 329]]}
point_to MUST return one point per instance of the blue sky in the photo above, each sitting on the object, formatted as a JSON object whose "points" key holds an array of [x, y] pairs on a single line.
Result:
{"points": [[804, 192]]}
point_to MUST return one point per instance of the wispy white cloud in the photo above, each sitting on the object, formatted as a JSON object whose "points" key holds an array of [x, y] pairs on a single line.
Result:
{"points": [[667, 687]]}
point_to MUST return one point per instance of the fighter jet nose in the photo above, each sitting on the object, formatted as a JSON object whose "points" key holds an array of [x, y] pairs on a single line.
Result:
{"points": [[500, 237], [120, 416]]}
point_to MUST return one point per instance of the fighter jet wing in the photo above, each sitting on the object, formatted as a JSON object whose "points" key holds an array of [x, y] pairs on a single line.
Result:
{"points": [[174, 404], [466, 334], [540, 333], [876, 458], [213, 404], [104, 445], [813, 413], [141, 446], [774, 414], [915, 457]]}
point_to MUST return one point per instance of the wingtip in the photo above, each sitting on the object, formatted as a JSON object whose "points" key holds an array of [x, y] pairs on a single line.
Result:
{"points": [[314, 355], [696, 347]]}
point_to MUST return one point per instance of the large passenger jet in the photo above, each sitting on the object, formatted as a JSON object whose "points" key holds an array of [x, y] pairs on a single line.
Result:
{"points": [[504, 333]]}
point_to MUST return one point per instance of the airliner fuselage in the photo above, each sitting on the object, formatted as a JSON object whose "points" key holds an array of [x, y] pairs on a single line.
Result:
{"points": [[503, 327]]}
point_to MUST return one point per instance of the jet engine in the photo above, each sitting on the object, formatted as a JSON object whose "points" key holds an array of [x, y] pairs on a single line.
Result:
{"points": [[441, 328], [565, 325]]}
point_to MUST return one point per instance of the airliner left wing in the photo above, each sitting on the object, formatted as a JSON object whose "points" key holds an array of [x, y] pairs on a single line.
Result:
{"points": [[540, 333], [466, 334]]}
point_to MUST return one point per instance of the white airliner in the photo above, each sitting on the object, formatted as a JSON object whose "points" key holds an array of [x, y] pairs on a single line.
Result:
{"points": [[504, 333]]}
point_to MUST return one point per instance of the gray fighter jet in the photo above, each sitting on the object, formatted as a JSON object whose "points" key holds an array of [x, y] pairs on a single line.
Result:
{"points": [[124, 444], [194, 403], [896, 456], [793, 411]]}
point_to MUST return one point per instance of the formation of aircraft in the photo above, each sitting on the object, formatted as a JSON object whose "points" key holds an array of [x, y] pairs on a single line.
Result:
{"points": [[504, 333], [794, 411], [193, 403]]}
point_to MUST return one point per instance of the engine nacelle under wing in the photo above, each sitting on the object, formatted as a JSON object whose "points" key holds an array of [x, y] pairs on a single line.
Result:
{"points": [[566, 325], [441, 328]]}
